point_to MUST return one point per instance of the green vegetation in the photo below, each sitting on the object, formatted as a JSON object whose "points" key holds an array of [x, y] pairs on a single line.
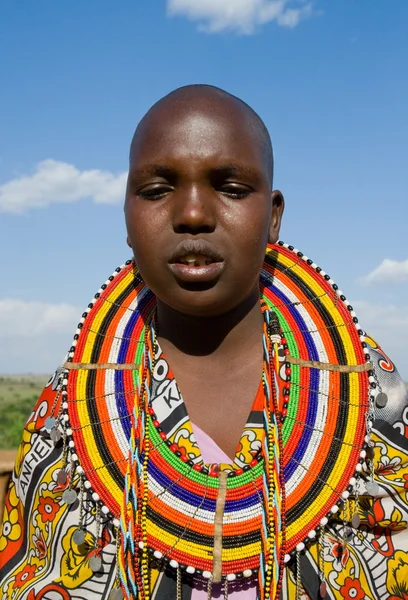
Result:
{"points": [[18, 395]]}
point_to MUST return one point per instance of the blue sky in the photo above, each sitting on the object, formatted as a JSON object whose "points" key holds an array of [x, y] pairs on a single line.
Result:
{"points": [[329, 79]]}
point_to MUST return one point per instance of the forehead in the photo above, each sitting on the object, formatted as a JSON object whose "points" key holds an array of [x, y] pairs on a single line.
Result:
{"points": [[199, 133]]}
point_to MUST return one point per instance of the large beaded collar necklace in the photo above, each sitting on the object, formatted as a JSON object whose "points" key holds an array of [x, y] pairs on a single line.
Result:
{"points": [[220, 526]]}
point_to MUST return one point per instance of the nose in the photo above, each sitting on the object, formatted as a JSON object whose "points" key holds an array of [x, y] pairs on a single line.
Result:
{"points": [[194, 210]]}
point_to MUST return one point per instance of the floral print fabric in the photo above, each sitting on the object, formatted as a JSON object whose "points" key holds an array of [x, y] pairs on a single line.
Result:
{"points": [[39, 558]]}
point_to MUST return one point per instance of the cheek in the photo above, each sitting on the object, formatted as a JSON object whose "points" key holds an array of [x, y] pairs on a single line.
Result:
{"points": [[145, 228], [141, 227], [250, 231], [250, 218]]}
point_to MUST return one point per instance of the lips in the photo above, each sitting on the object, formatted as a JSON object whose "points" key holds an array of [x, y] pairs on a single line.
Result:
{"points": [[196, 261], [199, 250]]}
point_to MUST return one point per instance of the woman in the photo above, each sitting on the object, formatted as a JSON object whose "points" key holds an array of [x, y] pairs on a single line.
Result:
{"points": [[140, 473]]}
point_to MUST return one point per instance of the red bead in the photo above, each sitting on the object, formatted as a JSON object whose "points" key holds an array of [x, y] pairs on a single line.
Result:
{"points": [[184, 458], [284, 412], [213, 473], [151, 410], [286, 398], [174, 447], [286, 351], [239, 471], [288, 371], [197, 467], [156, 423], [163, 435], [283, 340], [253, 462]]}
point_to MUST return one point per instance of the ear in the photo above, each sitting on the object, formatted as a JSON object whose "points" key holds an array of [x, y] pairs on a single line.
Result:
{"points": [[278, 206]]}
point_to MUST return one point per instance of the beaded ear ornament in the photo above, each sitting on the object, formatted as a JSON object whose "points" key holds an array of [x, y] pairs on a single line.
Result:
{"points": [[195, 519]]}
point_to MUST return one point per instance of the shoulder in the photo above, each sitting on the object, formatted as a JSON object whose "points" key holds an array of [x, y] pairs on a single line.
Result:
{"points": [[395, 411], [29, 495], [36, 448]]}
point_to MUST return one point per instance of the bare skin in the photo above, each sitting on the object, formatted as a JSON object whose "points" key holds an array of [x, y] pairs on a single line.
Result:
{"points": [[219, 386], [198, 172]]}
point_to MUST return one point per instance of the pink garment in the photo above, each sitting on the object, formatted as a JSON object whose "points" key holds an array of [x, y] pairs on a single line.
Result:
{"points": [[212, 453]]}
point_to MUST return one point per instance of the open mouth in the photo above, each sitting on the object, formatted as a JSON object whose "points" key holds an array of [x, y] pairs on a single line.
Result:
{"points": [[195, 260]]}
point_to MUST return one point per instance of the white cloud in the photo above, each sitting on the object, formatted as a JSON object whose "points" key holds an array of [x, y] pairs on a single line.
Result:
{"points": [[27, 319], [55, 182], [242, 16], [35, 336], [389, 271], [388, 325]]}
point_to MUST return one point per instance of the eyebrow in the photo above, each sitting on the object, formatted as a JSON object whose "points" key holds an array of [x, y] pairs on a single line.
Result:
{"points": [[152, 170], [236, 170], [223, 171]]}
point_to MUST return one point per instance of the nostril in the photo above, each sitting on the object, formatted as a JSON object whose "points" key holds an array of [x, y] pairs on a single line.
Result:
{"points": [[191, 229]]}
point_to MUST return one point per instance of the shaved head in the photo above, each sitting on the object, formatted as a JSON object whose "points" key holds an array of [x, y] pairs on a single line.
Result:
{"points": [[201, 169], [213, 102]]}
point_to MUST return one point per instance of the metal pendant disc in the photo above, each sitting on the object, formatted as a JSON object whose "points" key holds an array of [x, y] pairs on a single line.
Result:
{"points": [[116, 594], [95, 563], [55, 435], [323, 589], [381, 400], [69, 496], [49, 423], [373, 488], [79, 537], [355, 521], [62, 477]]}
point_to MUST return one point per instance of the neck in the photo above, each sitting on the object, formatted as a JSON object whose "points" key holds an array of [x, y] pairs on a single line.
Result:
{"points": [[205, 336]]}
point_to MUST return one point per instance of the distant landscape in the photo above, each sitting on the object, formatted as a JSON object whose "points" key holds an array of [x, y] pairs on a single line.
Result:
{"points": [[18, 395]]}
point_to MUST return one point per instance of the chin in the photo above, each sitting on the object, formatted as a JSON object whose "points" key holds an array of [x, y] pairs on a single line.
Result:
{"points": [[199, 307], [205, 303]]}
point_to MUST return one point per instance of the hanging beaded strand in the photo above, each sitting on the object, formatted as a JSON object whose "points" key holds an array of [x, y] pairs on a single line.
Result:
{"points": [[178, 585], [277, 338], [79, 534], [372, 486], [209, 587], [320, 559], [131, 564], [298, 577], [347, 531], [116, 592], [266, 573], [69, 495], [144, 399], [145, 555], [52, 422], [226, 589], [145, 448], [275, 543], [95, 562], [279, 411]]}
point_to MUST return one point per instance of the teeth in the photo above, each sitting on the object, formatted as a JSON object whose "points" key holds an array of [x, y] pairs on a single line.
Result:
{"points": [[193, 260]]}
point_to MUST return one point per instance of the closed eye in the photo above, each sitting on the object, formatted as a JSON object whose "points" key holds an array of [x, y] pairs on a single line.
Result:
{"points": [[154, 191], [235, 191]]}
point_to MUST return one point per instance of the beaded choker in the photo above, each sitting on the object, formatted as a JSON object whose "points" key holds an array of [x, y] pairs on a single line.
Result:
{"points": [[202, 522]]}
